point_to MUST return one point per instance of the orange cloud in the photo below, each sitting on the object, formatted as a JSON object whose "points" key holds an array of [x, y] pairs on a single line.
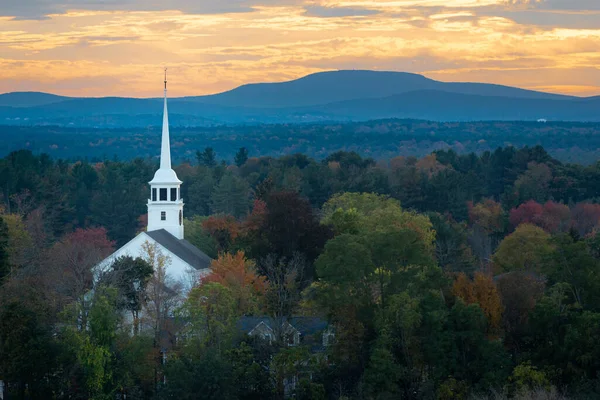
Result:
{"points": [[121, 52]]}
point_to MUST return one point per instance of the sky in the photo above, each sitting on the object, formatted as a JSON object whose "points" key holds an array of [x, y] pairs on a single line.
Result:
{"points": [[120, 47]]}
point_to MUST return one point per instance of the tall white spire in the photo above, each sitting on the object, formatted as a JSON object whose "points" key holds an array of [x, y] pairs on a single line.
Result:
{"points": [[165, 205], [165, 173], [165, 148]]}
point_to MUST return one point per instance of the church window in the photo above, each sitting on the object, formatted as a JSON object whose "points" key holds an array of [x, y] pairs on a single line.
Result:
{"points": [[173, 194], [163, 215], [153, 194], [163, 194], [180, 217]]}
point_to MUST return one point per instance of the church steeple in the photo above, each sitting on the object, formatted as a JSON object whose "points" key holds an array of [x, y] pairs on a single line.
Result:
{"points": [[165, 148], [165, 206]]}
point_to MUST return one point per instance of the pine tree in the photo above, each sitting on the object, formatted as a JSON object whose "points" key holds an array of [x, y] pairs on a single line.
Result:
{"points": [[231, 196], [241, 156], [208, 157]]}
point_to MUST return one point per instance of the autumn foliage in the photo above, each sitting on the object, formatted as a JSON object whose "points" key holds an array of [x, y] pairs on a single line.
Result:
{"points": [[481, 290], [223, 228], [488, 215], [237, 273], [551, 217]]}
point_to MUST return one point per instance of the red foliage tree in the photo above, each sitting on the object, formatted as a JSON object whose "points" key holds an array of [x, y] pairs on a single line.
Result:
{"points": [[223, 228], [552, 217], [72, 259], [586, 218], [256, 217], [556, 217], [527, 213]]}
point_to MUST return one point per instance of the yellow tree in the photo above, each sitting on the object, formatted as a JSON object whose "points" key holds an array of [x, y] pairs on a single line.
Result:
{"points": [[526, 249]]}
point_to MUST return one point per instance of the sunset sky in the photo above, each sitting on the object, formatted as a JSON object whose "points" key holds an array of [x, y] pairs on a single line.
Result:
{"points": [[119, 47]]}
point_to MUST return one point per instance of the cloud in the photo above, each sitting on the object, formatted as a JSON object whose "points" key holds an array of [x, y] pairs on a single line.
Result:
{"points": [[333, 12], [40, 9], [119, 47]]}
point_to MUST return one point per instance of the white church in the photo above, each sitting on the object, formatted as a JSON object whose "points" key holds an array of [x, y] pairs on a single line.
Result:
{"points": [[165, 223]]}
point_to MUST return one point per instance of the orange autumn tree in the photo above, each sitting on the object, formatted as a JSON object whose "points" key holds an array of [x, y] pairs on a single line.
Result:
{"points": [[483, 291], [237, 273]]}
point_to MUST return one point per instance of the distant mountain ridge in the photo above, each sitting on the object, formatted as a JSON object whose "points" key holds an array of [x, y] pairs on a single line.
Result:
{"points": [[327, 96]]}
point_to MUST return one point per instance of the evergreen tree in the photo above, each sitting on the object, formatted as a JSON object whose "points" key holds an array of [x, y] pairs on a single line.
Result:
{"points": [[207, 158], [241, 156], [231, 196]]}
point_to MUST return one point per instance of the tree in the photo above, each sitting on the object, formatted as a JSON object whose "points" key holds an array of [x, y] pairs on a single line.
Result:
{"points": [[163, 293], [210, 311], [223, 229], [207, 158], [4, 251], [241, 157], [285, 279], [382, 374], [526, 249], [28, 353], [487, 221], [527, 213], [237, 273], [288, 229], [200, 191], [533, 184], [586, 218], [571, 262], [92, 360], [250, 374], [367, 212], [519, 291], [19, 241], [71, 261], [231, 196], [452, 249], [131, 277], [552, 217], [182, 375], [196, 234], [481, 291]]}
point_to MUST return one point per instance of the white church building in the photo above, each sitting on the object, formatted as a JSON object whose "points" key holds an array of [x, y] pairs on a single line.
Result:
{"points": [[165, 223]]}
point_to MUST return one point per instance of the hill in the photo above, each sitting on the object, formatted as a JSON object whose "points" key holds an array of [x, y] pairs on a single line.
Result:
{"points": [[326, 96], [29, 99]]}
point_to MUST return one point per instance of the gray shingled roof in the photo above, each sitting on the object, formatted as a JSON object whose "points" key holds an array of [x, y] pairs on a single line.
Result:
{"points": [[181, 248], [304, 325]]}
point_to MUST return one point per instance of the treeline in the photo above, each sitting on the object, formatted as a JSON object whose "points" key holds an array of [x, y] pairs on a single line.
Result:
{"points": [[443, 277], [381, 139]]}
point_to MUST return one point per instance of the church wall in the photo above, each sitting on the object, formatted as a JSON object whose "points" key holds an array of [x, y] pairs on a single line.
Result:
{"points": [[177, 270]]}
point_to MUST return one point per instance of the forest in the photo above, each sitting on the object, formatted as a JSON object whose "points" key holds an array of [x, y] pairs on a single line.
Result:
{"points": [[444, 276], [575, 142]]}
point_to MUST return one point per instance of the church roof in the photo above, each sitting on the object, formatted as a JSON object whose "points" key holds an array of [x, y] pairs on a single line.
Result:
{"points": [[181, 248]]}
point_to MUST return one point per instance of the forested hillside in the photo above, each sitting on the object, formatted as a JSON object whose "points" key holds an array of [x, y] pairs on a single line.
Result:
{"points": [[380, 139], [444, 276]]}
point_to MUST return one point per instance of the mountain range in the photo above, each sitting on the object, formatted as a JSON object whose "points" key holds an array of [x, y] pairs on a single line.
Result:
{"points": [[326, 96]]}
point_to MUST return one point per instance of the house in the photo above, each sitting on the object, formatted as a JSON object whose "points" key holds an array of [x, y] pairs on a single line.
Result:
{"points": [[313, 332]]}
